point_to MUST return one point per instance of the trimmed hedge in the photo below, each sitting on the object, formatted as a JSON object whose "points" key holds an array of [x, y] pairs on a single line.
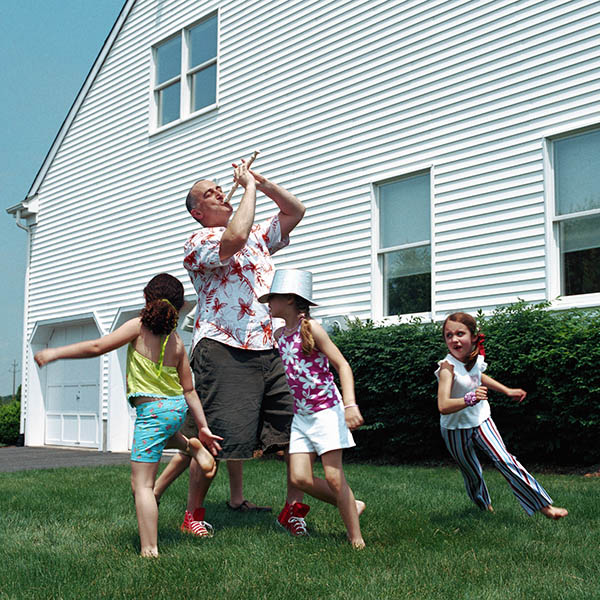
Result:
{"points": [[553, 355], [10, 415]]}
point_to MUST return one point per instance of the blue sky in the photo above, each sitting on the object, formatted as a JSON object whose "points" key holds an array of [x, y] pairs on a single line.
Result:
{"points": [[47, 48]]}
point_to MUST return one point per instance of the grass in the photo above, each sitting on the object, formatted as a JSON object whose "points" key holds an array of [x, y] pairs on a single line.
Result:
{"points": [[72, 533]]}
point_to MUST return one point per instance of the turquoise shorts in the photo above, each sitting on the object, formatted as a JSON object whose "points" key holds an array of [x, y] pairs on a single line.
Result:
{"points": [[155, 423]]}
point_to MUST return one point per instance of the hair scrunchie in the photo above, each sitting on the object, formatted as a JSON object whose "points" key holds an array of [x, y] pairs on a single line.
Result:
{"points": [[167, 301], [480, 340]]}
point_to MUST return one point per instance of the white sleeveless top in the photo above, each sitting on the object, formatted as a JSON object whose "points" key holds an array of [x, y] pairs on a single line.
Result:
{"points": [[465, 381]]}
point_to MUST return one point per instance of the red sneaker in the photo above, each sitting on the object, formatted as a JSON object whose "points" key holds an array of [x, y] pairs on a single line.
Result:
{"points": [[291, 518], [196, 525]]}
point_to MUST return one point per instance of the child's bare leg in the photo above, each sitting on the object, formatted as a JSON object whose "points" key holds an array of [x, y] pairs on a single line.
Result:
{"points": [[143, 475], [554, 512], [177, 465], [301, 470], [196, 449], [346, 503]]}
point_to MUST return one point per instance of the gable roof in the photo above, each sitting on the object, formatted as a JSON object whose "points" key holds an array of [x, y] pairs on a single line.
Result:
{"points": [[87, 84]]}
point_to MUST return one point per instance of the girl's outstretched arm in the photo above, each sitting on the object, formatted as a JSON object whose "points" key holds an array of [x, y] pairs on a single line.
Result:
{"points": [[516, 393], [322, 341], [91, 348], [191, 397], [447, 405]]}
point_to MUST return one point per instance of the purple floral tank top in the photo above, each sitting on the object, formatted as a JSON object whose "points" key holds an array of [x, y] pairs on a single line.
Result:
{"points": [[309, 377]]}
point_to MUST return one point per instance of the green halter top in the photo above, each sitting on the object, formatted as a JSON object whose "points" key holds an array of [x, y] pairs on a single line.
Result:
{"points": [[150, 379]]}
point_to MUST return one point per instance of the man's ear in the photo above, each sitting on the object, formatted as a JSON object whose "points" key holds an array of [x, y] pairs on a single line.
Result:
{"points": [[197, 214]]}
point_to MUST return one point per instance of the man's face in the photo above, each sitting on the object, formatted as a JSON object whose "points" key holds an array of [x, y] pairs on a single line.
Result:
{"points": [[210, 210]]}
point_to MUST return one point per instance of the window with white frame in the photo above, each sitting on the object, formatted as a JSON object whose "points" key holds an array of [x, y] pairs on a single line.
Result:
{"points": [[185, 72], [404, 252], [576, 160]]}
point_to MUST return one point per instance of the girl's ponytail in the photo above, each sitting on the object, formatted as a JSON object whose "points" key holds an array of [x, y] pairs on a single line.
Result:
{"points": [[308, 342], [164, 300], [159, 316]]}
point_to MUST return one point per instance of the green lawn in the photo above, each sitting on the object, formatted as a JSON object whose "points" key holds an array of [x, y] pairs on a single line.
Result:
{"points": [[72, 533]]}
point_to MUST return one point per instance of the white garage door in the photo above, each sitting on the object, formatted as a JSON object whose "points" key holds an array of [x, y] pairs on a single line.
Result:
{"points": [[72, 393]]}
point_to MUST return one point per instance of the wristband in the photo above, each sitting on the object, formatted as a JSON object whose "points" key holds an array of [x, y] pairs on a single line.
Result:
{"points": [[471, 399], [350, 406]]}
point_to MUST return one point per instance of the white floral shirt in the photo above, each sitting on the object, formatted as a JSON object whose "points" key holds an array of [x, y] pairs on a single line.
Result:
{"points": [[228, 310]]}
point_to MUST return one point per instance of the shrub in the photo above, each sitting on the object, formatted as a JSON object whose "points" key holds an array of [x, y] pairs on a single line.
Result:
{"points": [[550, 354], [10, 415]]}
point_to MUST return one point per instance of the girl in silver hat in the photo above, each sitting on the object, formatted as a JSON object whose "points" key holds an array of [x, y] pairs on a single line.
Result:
{"points": [[322, 417]]}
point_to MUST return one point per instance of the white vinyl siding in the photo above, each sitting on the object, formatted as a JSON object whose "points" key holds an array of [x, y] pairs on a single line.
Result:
{"points": [[337, 95]]}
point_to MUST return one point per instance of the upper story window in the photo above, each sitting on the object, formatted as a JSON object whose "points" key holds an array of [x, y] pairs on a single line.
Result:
{"points": [[576, 221], [185, 73], [404, 252]]}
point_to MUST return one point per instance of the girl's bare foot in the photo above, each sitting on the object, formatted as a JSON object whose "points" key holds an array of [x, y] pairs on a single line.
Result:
{"points": [[554, 512], [202, 455], [149, 553], [360, 507], [358, 544]]}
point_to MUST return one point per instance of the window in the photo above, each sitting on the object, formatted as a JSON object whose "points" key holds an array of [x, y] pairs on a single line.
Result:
{"points": [[404, 244], [193, 53], [576, 162]]}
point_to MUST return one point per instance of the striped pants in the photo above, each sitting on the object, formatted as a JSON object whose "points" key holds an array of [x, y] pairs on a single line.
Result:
{"points": [[461, 445]]}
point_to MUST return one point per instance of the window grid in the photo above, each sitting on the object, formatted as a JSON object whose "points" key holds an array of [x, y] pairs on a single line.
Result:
{"points": [[185, 80]]}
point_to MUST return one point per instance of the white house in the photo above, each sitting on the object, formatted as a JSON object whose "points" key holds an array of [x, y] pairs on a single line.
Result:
{"points": [[448, 153]]}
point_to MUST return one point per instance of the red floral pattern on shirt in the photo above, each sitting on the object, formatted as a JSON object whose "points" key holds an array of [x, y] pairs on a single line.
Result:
{"points": [[228, 310]]}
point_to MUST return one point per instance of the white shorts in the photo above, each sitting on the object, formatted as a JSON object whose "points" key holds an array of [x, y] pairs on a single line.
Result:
{"points": [[320, 432]]}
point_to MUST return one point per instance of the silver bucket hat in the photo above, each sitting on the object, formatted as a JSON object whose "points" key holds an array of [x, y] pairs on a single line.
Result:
{"points": [[291, 281]]}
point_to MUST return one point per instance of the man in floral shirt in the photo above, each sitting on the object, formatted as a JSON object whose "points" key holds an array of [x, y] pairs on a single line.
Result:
{"points": [[238, 374]]}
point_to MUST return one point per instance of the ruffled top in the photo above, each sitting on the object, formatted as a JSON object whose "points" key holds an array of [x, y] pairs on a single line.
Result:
{"points": [[147, 378], [465, 381]]}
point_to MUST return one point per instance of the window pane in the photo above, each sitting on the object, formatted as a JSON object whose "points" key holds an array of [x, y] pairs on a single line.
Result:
{"points": [[580, 249], [407, 281], [203, 42], [204, 87], [404, 211], [577, 172], [168, 104], [168, 60]]}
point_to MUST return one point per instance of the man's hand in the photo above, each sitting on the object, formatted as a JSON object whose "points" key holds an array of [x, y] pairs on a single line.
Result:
{"points": [[242, 175]]}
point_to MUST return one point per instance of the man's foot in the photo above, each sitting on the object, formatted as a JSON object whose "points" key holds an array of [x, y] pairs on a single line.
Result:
{"points": [[196, 525], [246, 506], [202, 456], [593, 474], [291, 518], [490, 508], [360, 507], [554, 512]]}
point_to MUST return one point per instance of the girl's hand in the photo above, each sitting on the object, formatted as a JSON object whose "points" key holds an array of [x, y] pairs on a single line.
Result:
{"points": [[353, 417], [210, 440], [481, 393], [517, 393], [43, 357]]}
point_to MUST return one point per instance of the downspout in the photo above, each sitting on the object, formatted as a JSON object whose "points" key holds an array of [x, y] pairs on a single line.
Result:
{"points": [[24, 353]]}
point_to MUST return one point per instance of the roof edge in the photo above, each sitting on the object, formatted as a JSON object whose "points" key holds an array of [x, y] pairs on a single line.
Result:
{"points": [[87, 84]]}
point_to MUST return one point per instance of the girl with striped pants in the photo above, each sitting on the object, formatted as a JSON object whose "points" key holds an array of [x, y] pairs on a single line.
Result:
{"points": [[466, 422]]}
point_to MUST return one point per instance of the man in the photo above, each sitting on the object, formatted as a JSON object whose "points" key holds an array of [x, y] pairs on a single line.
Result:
{"points": [[238, 374]]}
